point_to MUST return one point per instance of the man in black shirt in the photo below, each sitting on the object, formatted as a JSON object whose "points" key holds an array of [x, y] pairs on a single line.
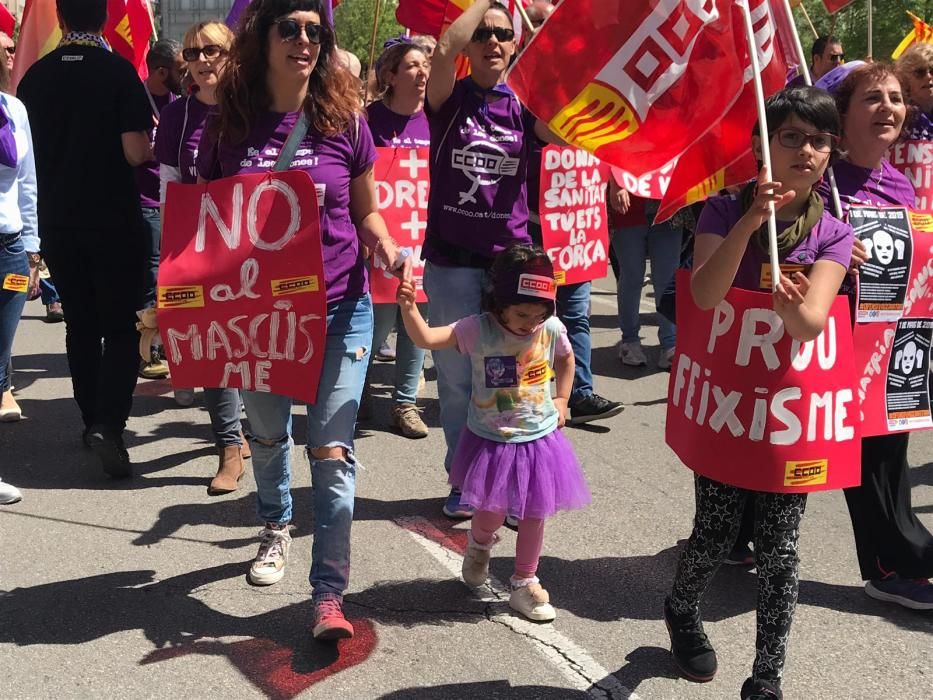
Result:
{"points": [[89, 116]]}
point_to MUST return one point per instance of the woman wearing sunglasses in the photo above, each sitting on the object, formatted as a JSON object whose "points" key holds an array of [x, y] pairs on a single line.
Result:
{"points": [[282, 74], [915, 71], [397, 120], [895, 550], [481, 136], [206, 46]]}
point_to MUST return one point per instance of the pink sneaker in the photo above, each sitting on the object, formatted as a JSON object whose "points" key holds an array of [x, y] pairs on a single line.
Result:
{"points": [[329, 622]]}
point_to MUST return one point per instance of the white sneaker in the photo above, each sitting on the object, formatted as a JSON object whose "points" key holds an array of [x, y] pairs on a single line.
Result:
{"points": [[184, 397], [666, 359], [632, 354], [269, 565], [531, 600], [475, 569], [9, 494]]}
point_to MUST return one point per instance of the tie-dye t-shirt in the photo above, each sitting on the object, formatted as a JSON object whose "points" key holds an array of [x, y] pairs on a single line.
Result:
{"points": [[511, 377]]}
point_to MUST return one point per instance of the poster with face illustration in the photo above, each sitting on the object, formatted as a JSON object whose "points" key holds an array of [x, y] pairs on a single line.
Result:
{"points": [[907, 391], [885, 233]]}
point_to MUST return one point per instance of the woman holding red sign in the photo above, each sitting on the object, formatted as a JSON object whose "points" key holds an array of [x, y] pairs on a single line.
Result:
{"points": [[731, 250], [181, 126], [397, 120], [895, 550], [478, 205], [282, 94]]}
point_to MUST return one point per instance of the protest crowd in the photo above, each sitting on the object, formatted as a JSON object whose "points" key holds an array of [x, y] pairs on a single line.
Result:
{"points": [[451, 195]]}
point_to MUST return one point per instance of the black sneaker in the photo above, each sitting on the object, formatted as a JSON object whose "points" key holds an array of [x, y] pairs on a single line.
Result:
{"points": [[593, 407], [693, 655], [760, 690], [111, 452]]}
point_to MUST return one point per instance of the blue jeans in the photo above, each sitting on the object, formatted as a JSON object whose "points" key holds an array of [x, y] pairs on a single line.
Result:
{"points": [[409, 358], [223, 406], [453, 293], [12, 262], [49, 293], [633, 246], [153, 219], [331, 422]]}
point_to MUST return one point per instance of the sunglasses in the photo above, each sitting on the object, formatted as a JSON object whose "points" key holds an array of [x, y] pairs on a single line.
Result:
{"points": [[209, 51], [918, 73], [484, 34], [795, 139], [290, 29], [10, 49], [837, 57]]}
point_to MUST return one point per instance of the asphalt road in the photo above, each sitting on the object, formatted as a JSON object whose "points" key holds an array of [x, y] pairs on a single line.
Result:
{"points": [[137, 589]]}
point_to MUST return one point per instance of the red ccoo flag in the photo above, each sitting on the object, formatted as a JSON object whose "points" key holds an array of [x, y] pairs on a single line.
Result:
{"points": [[128, 30], [434, 16], [723, 157], [7, 22], [636, 84]]}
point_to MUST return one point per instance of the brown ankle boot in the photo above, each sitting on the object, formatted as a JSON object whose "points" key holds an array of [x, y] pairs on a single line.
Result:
{"points": [[244, 446], [229, 472]]}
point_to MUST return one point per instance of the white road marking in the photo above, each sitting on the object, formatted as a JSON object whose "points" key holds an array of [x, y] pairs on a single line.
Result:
{"points": [[571, 660]]}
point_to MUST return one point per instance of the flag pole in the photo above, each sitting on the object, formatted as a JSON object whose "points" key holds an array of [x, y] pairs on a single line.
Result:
{"points": [[806, 15], [372, 49], [869, 30], [763, 130], [525, 18], [808, 79]]}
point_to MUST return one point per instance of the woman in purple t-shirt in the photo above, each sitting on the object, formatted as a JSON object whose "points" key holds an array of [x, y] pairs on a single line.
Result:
{"points": [[730, 252], [283, 71], [397, 120], [478, 205], [895, 550], [206, 46]]}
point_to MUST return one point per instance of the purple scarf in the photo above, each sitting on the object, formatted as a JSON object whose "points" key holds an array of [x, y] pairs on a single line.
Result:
{"points": [[8, 154]]}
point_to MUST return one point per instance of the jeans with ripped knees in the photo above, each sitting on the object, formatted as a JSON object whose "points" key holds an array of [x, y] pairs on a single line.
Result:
{"points": [[453, 293], [331, 422]]}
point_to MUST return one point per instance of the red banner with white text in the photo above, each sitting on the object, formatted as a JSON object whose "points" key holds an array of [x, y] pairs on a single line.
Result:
{"points": [[914, 158], [241, 297], [402, 186], [572, 207], [750, 406]]}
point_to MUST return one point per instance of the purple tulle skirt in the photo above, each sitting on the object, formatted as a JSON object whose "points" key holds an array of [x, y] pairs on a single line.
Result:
{"points": [[522, 479]]}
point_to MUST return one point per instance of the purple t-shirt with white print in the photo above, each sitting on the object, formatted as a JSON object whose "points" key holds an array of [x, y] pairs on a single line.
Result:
{"points": [[147, 174], [868, 188], [331, 161], [399, 130], [830, 239], [479, 166], [180, 130]]}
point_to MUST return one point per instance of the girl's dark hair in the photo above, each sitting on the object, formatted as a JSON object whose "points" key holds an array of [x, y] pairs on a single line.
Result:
{"points": [[501, 8], [508, 265], [871, 72], [333, 93], [83, 15]]}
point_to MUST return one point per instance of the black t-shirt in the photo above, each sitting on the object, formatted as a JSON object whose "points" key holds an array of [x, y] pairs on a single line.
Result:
{"points": [[80, 100]]}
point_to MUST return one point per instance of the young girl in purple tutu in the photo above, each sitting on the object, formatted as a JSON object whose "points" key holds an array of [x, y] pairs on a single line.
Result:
{"points": [[511, 458]]}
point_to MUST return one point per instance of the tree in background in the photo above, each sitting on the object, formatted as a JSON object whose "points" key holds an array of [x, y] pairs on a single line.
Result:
{"points": [[353, 21], [850, 25]]}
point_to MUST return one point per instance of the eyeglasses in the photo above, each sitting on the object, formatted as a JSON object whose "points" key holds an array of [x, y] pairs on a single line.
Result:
{"points": [[795, 139], [484, 34], [210, 51], [923, 72], [290, 29], [10, 49], [837, 58]]}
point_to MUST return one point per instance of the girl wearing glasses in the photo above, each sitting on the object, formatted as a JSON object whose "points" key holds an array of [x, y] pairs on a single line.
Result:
{"points": [[895, 550], [282, 73], [478, 204], [206, 46], [731, 250]]}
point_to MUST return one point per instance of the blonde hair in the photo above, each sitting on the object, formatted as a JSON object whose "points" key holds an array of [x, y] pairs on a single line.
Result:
{"points": [[917, 56], [212, 32]]}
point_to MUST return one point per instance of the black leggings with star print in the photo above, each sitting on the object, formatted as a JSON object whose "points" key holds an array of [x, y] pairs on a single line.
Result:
{"points": [[777, 530]]}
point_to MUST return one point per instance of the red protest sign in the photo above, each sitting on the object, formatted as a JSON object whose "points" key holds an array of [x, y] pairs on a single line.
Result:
{"points": [[402, 186], [893, 356], [914, 158], [241, 300], [750, 406], [572, 207]]}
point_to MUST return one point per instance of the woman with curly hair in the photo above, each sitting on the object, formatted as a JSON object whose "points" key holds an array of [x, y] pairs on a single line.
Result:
{"points": [[282, 74]]}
